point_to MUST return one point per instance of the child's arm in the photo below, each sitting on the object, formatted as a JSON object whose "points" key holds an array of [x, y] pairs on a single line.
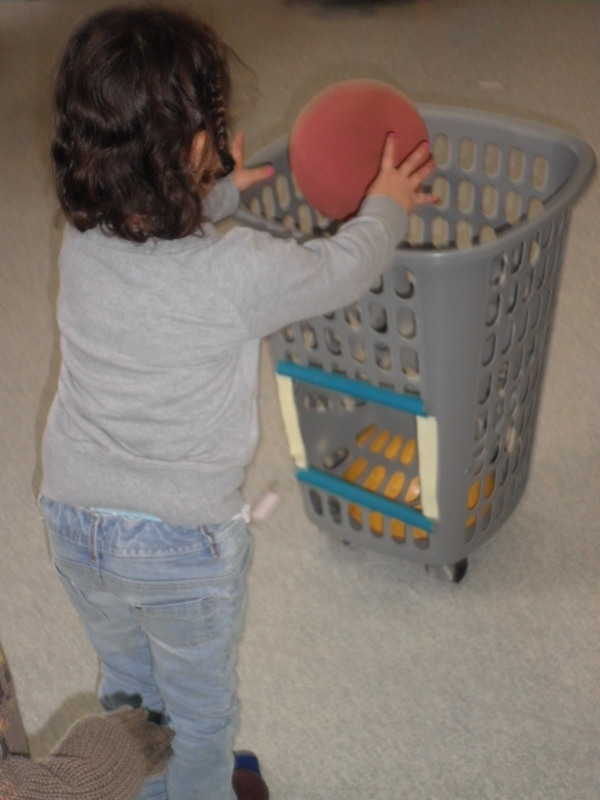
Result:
{"points": [[243, 176], [224, 197], [280, 281]]}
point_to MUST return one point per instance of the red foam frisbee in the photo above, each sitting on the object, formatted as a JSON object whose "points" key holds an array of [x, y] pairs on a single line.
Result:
{"points": [[337, 140]]}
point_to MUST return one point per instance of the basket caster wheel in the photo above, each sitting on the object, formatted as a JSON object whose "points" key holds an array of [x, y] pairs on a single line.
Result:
{"points": [[452, 573]]}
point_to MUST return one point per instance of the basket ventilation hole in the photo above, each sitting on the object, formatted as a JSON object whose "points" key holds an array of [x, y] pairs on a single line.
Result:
{"points": [[335, 509], [355, 470], [316, 502], [255, 207], [502, 378], [352, 316], [408, 452], [465, 197], [383, 357], [315, 402], [333, 460], [355, 516], [480, 427], [394, 486], [374, 478], [517, 257], [398, 531], [470, 527], [466, 154], [533, 255], [404, 284], [487, 234], [282, 191], [268, 202], [442, 151], [493, 309], [539, 172], [379, 441], [377, 286], [513, 207], [409, 363], [498, 271], [486, 516], [420, 537], [309, 336], [490, 201], [512, 296], [485, 389], [491, 159], [464, 234], [358, 350], [333, 342], [413, 492], [527, 286], [407, 323], [305, 218], [393, 447], [376, 523], [377, 318], [522, 327], [415, 234], [439, 232], [473, 496], [534, 207], [489, 348], [516, 165], [506, 337], [441, 188]]}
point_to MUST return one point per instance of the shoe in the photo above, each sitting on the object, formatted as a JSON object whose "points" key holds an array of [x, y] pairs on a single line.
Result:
{"points": [[248, 783]]}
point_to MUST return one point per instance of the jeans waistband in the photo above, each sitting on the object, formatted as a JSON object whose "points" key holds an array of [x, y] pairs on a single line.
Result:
{"points": [[116, 512]]}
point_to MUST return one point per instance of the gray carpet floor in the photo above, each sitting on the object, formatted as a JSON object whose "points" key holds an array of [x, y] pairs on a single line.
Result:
{"points": [[360, 676]]}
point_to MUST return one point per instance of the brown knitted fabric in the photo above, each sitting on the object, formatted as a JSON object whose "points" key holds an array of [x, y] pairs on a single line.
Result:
{"points": [[12, 733], [104, 757]]}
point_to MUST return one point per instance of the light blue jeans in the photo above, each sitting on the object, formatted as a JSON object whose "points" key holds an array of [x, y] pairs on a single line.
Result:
{"points": [[163, 607]]}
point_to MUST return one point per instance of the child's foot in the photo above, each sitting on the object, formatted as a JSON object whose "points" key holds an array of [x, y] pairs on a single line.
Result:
{"points": [[248, 783]]}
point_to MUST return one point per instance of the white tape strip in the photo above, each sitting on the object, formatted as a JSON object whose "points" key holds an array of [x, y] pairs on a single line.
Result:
{"points": [[285, 389], [427, 439]]}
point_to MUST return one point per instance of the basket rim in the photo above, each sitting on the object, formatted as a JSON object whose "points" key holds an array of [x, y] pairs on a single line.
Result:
{"points": [[564, 197]]}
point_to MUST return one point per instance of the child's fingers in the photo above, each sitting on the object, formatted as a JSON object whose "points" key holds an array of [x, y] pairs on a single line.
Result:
{"points": [[421, 173], [419, 157], [262, 173], [426, 198], [387, 156]]}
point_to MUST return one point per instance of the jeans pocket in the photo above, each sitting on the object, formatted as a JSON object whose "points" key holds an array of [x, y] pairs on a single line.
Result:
{"points": [[86, 608], [182, 623]]}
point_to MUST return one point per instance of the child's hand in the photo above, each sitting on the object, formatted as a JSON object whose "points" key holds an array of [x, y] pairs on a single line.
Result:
{"points": [[246, 176], [403, 183]]}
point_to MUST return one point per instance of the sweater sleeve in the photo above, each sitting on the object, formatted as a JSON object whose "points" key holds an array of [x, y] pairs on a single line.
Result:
{"points": [[222, 200], [289, 281]]}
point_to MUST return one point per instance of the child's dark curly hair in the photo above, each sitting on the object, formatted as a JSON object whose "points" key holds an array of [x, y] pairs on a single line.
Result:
{"points": [[133, 88]]}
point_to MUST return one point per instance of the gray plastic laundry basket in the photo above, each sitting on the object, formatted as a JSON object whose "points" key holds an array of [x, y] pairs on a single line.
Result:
{"points": [[411, 414]]}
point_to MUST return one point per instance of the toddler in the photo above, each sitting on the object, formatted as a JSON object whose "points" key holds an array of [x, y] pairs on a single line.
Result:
{"points": [[154, 421]]}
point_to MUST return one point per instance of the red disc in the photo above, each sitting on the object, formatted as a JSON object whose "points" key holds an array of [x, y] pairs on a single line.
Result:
{"points": [[337, 140]]}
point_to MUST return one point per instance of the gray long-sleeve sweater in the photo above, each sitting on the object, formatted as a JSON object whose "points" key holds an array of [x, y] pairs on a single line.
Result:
{"points": [[156, 404]]}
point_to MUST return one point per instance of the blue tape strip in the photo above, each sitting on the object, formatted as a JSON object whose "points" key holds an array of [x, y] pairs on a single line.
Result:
{"points": [[356, 494], [353, 388]]}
